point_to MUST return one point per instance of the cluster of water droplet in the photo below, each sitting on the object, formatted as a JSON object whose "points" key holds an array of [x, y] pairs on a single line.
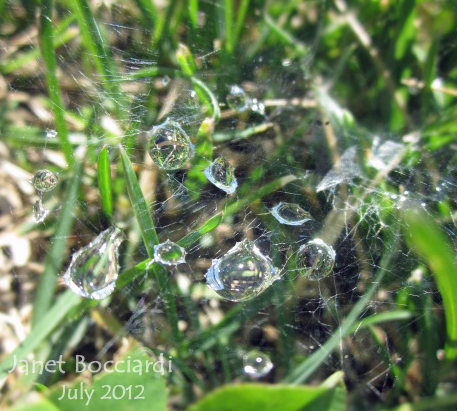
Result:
{"points": [[93, 270], [238, 100], [222, 174], [242, 273], [169, 146], [315, 259], [256, 364]]}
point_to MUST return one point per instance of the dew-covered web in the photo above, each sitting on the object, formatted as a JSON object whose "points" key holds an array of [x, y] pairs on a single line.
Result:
{"points": [[294, 143]]}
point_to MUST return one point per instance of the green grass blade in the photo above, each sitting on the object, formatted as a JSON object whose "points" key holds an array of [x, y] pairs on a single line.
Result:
{"points": [[185, 60], [43, 328], [240, 16], [431, 244], [228, 10], [208, 226], [104, 181], [193, 13], [426, 404], [148, 232], [395, 315], [56, 253], [46, 34]]}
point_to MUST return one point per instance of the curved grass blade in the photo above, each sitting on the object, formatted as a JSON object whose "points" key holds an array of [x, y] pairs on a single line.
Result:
{"points": [[56, 253], [104, 181], [46, 34], [431, 244]]}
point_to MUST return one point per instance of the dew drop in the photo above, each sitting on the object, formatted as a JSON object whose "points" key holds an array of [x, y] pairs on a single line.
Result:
{"points": [[290, 214], [165, 80], [222, 174], [257, 106], [44, 180], [50, 133], [256, 364], [242, 273], [169, 146], [93, 270], [169, 253], [39, 212], [237, 99], [315, 259]]}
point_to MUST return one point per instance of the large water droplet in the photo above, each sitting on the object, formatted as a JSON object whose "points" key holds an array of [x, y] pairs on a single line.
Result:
{"points": [[222, 174], [94, 269], [169, 253], [256, 364], [39, 212], [315, 259], [290, 214], [169, 146], [237, 99], [241, 274], [45, 180]]}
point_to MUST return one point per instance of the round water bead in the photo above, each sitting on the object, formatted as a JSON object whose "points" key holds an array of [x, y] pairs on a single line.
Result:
{"points": [[242, 273], [315, 259], [237, 99], [290, 214], [222, 174], [44, 180], [39, 212], [93, 270], [169, 253], [256, 364], [169, 146]]}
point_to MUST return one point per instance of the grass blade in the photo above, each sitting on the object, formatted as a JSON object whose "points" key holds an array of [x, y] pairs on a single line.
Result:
{"points": [[56, 253], [148, 232], [431, 244], [240, 16], [46, 34], [104, 181]]}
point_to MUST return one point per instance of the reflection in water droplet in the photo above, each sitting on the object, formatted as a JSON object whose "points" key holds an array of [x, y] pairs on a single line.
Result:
{"points": [[242, 273], [169, 146], [237, 99], [94, 269], [169, 253], [315, 259], [222, 174], [290, 214], [51, 133], [256, 364], [39, 212], [44, 180]]}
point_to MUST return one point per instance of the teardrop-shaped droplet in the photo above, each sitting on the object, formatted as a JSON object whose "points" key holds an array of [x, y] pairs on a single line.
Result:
{"points": [[256, 364], [237, 99], [290, 214], [222, 174], [39, 212], [315, 259], [94, 269], [169, 253], [44, 180], [242, 273], [169, 146]]}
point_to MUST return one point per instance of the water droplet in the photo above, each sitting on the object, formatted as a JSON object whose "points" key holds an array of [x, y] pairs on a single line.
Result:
{"points": [[256, 364], [315, 259], [169, 146], [50, 133], [165, 80], [286, 62], [237, 99], [39, 212], [290, 214], [241, 274], [257, 106], [169, 253], [222, 174], [44, 180], [93, 270]]}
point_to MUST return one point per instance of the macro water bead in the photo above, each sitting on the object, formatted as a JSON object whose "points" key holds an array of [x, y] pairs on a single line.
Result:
{"points": [[169, 253], [44, 180], [222, 174], [169, 146], [315, 259], [94, 269], [290, 214], [237, 99], [242, 273], [39, 212], [256, 364]]}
